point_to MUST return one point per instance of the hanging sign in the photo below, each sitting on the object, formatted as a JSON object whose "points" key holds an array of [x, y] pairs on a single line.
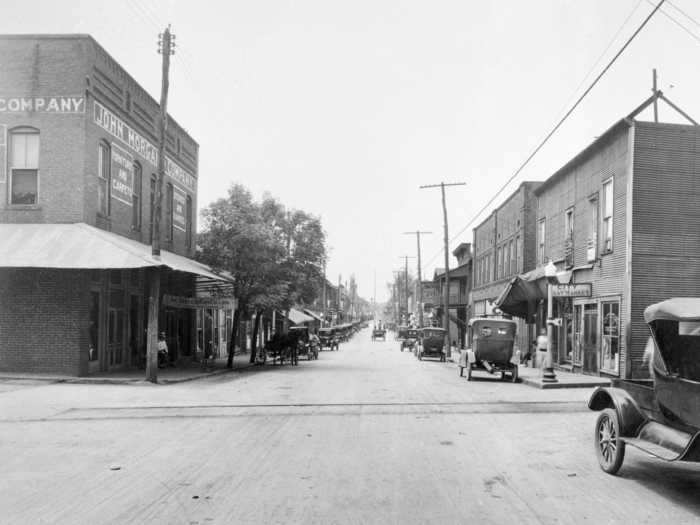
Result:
{"points": [[122, 175], [572, 290], [216, 303]]}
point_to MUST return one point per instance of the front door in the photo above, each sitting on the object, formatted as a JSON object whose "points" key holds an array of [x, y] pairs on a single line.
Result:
{"points": [[116, 342], [589, 342]]}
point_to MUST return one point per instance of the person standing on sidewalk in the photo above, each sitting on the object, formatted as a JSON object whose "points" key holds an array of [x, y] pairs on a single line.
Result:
{"points": [[542, 343]]}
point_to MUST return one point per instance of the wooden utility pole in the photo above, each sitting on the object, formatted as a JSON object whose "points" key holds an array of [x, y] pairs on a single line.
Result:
{"points": [[653, 88], [420, 276], [165, 48], [446, 291], [405, 282]]}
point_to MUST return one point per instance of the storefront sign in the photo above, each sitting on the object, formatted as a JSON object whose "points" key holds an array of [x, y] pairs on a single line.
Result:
{"points": [[195, 303], [179, 209], [572, 290], [3, 153], [57, 104], [138, 144], [122, 175]]}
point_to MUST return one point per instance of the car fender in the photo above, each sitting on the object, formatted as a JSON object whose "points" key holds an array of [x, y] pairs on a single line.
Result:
{"points": [[629, 415]]}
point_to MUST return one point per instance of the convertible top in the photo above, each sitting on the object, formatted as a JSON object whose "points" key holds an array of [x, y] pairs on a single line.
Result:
{"points": [[676, 309]]}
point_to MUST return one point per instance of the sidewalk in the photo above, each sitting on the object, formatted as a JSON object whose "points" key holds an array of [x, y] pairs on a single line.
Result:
{"points": [[533, 377], [184, 371]]}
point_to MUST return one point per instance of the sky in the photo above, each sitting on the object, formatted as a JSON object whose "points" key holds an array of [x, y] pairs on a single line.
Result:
{"points": [[343, 109]]}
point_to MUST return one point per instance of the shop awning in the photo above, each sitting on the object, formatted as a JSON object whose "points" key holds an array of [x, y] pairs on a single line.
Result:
{"points": [[313, 314], [520, 291], [84, 247], [298, 317]]}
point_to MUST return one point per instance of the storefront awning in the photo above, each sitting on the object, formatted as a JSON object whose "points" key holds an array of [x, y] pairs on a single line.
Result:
{"points": [[84, 247], [522, 289], [313, 314], [298, 317]]}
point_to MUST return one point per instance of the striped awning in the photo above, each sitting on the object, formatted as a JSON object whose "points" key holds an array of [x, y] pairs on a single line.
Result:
{"points": [[298, 317], [84, 247]]}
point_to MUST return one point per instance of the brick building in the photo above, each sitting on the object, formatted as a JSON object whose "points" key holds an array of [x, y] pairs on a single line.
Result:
{"points": [[620, 220], [504, 246], [78, 158]]}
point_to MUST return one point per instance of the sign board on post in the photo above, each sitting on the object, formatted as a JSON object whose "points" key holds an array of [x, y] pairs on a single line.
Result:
{"points": [[572, 290]]}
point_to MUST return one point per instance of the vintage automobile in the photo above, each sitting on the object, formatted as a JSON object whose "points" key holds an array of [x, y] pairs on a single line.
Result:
{"points": [[328, 339], [378, 333], [490, 348], [661, 415], [401, 333], [410, 340], [432, 343]]}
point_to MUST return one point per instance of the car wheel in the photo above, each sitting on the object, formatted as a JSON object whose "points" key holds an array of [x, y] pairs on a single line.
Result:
{"points": [[609, 446]]}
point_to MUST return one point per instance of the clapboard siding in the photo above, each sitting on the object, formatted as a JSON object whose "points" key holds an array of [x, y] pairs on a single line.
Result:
{"points": [[666, 222]]}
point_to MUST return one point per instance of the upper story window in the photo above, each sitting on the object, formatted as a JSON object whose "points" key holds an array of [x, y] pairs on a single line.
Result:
{"points": [[136, 198], [541, 231], [500, 262], [608, 202], [169, 212], [153, 207], [592, 242], [518, 250], [190, 223], [103, 178], [24, 166], [569, 237], [511, 258]]}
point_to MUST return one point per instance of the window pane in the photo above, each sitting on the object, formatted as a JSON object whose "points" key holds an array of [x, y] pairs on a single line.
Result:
{"points": [[19, 149], [608, 198], [32, 151], [24, 186]]}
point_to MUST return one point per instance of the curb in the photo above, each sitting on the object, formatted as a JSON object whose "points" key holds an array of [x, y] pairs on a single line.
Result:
{"points": [[537, 383]]}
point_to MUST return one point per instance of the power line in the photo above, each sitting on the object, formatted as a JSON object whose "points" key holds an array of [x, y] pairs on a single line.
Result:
{"points": [[684, 13], [557, 126], [675, 21]]}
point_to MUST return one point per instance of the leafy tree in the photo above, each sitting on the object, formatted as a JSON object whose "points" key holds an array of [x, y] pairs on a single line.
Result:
{"points": [[275, 256]]}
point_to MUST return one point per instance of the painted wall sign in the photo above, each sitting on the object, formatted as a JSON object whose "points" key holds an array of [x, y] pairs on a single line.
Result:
{"points": [[56, 104], [140, 145], [179, 209], [119, 129], [122, 175], [572, 290], [3, 153], [177, 301]]}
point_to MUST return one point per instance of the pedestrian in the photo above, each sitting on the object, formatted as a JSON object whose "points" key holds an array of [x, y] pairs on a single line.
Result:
{"points": [[527, 356], [542, 344], [162, 350]]}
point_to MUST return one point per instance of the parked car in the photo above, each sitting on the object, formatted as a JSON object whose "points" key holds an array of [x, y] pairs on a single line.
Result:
{"points": [[490, 348], [660, 415], [432, 343], [410, 339]]}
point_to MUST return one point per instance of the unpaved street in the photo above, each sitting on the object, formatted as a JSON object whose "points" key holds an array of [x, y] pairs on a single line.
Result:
{"points": [[364, 435]]}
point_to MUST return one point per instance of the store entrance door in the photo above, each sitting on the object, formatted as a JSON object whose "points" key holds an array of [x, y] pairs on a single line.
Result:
{"points": [[589, 341]]}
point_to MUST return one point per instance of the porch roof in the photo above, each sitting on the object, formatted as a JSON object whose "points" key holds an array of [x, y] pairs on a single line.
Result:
{"points": [[84, 247]]}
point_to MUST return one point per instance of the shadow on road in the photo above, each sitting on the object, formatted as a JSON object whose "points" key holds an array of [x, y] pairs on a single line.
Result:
{"points": [[678, 482]]}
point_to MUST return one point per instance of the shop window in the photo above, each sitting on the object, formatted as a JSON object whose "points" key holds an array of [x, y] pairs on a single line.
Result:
{"points": [[103, 178], [610, 352], [190, 222], [24, 166], [608, 202], [541, 231], [169, 212], [136, 199]]}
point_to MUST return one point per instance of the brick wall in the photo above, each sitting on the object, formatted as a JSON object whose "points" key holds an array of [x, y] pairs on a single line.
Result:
{"points": [[43, 321]]}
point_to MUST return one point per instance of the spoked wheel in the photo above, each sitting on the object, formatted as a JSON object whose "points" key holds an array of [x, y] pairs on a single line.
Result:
{"points": [[609, 447]]}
